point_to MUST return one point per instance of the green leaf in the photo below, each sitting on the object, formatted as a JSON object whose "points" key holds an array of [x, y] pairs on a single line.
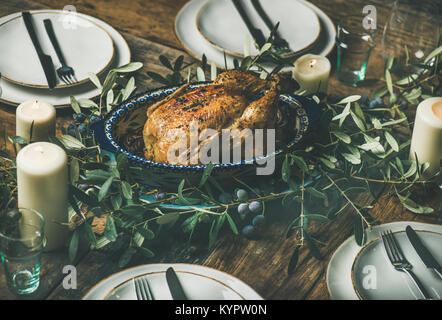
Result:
{"points": [[327, 162], [110, 232], [312, 246], [358, 121], [392, 141], [126, 190], [71, 143], [351, 158], [168, 218], [373, 145], [109, 100], [213, 71], [215, 228], [145, 252], [300, 162], [350, 99], [130, 67], [341, 136], [75, 106], [433, 54], [265, 47], [130, 87], [411, 171], [407, 80], [133, 210], [74, 171], [105, 188], [73, 245], [87, 103], [359, 231], [389, 81], [413, 206], [317, 217], [343, 115], [146, 233], [109, 82], [206, 175], [232, 224], [90, 234], [83, 196], [116, 201], [94, 79], [293, 261], [200, 74]]}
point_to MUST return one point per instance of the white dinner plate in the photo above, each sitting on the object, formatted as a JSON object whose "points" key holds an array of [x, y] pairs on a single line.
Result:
{"points": [[14, 94], [220, 23], [198, 282], [339, 270], [86, 47], [196, 45], [374, 277]]}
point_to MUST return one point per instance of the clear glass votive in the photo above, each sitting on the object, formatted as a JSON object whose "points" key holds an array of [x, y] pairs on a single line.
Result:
{"points": [[354, 44], [22, 242]]}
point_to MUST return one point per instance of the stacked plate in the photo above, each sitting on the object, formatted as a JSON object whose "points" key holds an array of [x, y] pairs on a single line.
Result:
{"points": [[366, 273], [215, 28], [87, 43], [198, 282]]}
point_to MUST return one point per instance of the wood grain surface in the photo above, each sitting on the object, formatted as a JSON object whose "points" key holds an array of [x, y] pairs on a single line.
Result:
{"points": [[148, 26]]}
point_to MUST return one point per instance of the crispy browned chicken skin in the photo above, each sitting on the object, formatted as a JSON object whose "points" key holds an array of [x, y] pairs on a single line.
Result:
{"points": [[229, 103]]}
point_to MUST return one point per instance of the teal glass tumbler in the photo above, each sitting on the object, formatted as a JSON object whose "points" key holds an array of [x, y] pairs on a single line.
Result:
{"points": [[22, 242], [354, 45]]}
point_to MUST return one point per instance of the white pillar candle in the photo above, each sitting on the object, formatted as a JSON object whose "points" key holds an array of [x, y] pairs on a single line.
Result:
{"points": [[426, 140], [42, 185], [312, 73], [43, 116]]}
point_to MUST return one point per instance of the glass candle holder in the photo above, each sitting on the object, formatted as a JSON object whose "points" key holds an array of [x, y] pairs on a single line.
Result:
{"points": [[22, 242], [354, 45]]}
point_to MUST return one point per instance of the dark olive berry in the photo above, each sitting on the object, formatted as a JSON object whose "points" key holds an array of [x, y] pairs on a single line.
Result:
{"points": [[249, 231], [255, 207], [259, 221]]}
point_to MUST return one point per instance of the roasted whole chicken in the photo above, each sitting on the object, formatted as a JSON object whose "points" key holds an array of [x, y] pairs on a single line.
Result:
{"points": [[235, 100]]}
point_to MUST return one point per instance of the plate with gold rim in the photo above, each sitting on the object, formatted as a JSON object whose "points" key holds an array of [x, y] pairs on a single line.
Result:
{"points": [[374, 277], [13, 94], [198, 282], [86, 46], [221, 25], [339, 270]]}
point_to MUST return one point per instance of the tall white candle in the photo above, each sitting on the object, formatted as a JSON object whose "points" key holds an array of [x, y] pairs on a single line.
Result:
{"points": [[43, 116], [312, 73], [42, 185], [426, 141]]}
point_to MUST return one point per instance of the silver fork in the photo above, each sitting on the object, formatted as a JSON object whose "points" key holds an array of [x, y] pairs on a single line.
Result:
{"points": [[65, 73], [142, 289], [398, 260]]}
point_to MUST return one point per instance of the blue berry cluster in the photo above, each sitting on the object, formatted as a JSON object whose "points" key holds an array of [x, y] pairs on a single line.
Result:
{"points": [[254, 207], [80, 123]]}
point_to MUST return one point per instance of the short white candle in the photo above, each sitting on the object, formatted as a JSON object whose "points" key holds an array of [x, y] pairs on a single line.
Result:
{"points": [[43, 116], [42, 185], [426, 141], [312, 73]]}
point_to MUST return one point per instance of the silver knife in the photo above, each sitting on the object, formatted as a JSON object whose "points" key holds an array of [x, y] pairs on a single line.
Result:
{"points": [[174, 285], [425, 255], [45, 60]]}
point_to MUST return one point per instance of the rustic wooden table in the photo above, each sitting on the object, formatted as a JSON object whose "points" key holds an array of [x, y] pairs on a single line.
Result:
{"points": [[148, 26]]}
